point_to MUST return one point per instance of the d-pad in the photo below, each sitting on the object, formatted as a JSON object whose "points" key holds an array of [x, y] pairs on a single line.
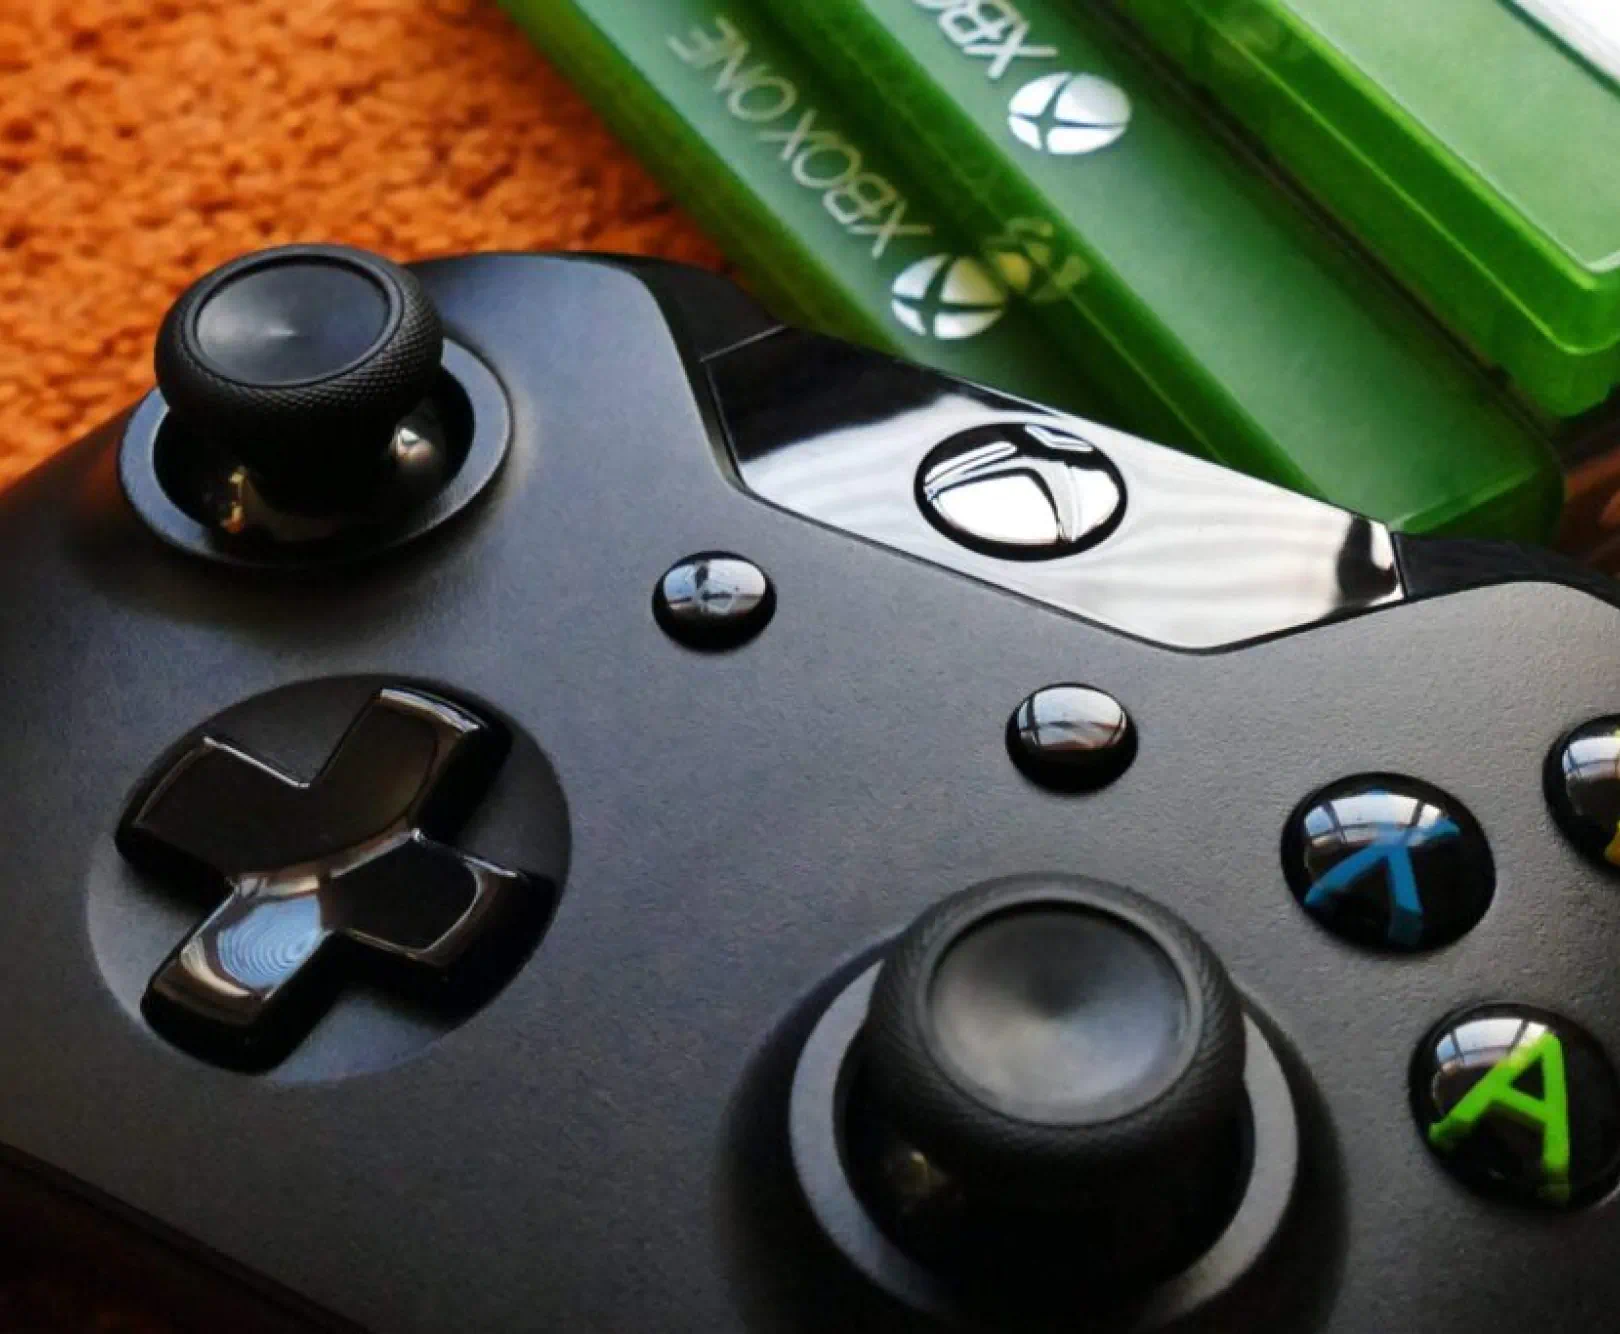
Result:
{"points": [[354, 864]]}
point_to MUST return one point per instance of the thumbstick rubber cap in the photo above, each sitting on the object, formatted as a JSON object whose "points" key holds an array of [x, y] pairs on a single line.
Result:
{"points": [[300, 361], [1052, 1038]]}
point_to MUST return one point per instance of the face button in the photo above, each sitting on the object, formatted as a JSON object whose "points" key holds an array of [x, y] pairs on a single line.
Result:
{"points": [[1021, 492], [1071, 738], [312, 878], [1389, 862], [713, 601], [1582, 782], [1520, 1103]]}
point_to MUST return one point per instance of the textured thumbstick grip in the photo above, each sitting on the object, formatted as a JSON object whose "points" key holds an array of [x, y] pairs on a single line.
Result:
{"points": [[300, 360], [1106, 1038]]}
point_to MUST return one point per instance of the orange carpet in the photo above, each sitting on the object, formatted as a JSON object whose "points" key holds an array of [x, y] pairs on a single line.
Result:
{"points": [[143, 141]]}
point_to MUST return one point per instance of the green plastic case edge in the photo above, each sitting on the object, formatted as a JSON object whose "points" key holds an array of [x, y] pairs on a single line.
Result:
{"points": [[1485, 294]]}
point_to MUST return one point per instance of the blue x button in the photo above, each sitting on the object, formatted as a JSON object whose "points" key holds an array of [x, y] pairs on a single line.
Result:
{"points": [[1389, 862]]}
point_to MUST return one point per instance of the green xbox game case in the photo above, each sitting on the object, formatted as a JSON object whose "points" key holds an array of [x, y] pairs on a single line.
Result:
{"points": [[1224, 300], [1474, 150], [820, 187], [823, 223]]}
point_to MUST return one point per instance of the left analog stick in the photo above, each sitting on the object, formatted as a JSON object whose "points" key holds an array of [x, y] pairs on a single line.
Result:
{"points": [[300, 362]]}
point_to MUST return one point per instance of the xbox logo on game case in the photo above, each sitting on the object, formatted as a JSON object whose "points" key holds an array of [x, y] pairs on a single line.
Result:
{"points": [[948, 297], [1069, 114]]}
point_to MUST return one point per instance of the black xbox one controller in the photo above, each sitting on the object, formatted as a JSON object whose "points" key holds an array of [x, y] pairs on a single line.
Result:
{"points": [[539, 798]]}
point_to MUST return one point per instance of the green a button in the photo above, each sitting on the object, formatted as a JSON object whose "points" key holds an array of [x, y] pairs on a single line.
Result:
{"points": [[1520, 1103]]}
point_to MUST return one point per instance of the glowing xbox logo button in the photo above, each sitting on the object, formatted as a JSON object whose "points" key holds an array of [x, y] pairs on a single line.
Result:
{"points": [[1069, 114], [1020, 491], [949, 297]]}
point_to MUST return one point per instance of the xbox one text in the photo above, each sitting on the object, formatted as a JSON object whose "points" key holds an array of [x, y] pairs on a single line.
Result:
{"points": [[864, 203], [938, 294]]}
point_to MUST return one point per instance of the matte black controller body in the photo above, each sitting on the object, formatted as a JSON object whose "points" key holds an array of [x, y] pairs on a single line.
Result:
{"points": [[721, 841]]}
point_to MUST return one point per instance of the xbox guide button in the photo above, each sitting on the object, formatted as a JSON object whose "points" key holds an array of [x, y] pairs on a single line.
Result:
{"points": [[1021, 491]]}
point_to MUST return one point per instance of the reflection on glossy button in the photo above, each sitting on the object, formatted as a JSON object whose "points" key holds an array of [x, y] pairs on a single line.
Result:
{"points": [[1389, 862], [1520, 1103], [1020, 491], [1071, 738], [713, 600], [1582, 782], [308, 876]]}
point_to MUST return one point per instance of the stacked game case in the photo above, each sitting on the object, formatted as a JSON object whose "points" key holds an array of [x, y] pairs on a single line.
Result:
{"points": [[1016, 195], [825, 224], [1476, 153]]}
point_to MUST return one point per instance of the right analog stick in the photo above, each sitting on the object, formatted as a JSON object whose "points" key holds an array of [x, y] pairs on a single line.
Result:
{"points": [[1051, 1079]]}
